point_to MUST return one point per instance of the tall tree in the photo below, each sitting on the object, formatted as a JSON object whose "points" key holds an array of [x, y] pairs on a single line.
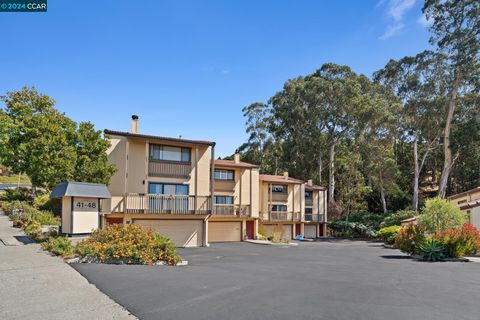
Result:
{"points": [[92, 162], [46, 145], [456, 32], [40, 141], [419, 82]]}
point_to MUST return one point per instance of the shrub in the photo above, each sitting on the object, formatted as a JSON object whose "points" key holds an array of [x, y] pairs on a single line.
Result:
{"points": [[46, 218], [459, 242], [19, 212], [33, 229], [129, 244], [43, 202], [395, 219], [409, 238], [21, 194], [341, 228], [370, 220], [432, 250], [388, 234], [439, 214], [61, 246]]}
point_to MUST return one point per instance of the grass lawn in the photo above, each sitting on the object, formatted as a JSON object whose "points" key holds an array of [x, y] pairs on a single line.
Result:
{"points": [[14, 179]]}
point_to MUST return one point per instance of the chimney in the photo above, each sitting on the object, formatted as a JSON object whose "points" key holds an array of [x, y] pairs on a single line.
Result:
{"points": [[285, 175], [134, 124], [310, 182], [236, 158]]}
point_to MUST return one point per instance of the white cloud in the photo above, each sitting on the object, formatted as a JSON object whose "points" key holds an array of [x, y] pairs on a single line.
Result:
{"points": [[396, 10]]}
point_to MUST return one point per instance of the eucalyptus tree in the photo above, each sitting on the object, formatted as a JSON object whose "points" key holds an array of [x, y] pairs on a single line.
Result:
{"points": [[456, 32], [420, 84]]}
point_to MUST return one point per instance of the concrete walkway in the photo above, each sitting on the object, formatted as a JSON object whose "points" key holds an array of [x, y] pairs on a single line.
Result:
{"points": [[36, 285]]}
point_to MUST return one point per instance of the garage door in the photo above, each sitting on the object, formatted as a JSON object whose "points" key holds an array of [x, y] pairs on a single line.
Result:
{"points": [[224, 231], [310, 231], [184, 233], [279, 231]]}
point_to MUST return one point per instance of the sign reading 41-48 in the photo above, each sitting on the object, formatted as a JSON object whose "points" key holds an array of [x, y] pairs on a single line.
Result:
{"points": [[85, 204]]}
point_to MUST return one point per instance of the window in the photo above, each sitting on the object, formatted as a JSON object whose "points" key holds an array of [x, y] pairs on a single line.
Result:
{"points": [[168, 189], [279, 207], [223, 174], [308, 210], [223, 199], [279, 188], [462, 201], [167, 153], [308, 194]]}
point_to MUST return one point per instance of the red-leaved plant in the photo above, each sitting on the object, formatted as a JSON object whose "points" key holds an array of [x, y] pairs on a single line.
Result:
{"points": [[460, 242]]}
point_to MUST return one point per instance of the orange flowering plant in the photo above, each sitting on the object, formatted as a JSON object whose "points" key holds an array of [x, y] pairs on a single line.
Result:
{"points": [[459, 242], [129, 244]]}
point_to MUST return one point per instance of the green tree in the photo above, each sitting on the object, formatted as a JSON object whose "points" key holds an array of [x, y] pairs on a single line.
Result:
{"points": [[419, 84], [40, 141], [456, 32], [92, 162], [47, 146]]}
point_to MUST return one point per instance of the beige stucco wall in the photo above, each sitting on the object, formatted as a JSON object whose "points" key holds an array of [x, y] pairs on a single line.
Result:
{"points": [[136, 168], [202, 164], [255, 203], [66, 213], [117, 155]]}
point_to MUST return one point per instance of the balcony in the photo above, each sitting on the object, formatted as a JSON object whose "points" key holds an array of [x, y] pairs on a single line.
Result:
{"points": [[281, 216], [173, 169], [167, 204], [233, 210], [310, 217]]}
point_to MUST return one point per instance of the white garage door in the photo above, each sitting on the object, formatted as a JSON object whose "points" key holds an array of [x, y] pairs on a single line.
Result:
{"points": [[279, 231], [184, 233], [310, 231], [224, 231]]}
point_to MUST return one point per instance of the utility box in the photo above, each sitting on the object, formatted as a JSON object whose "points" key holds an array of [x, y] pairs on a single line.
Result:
{"points": [[80, 206]]}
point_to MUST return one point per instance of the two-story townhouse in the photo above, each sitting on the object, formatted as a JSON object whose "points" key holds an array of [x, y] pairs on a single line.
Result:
{"points": [[469, 202], [162, 183], [315, 211], [235, 201], [175, 187], [282, 205]]}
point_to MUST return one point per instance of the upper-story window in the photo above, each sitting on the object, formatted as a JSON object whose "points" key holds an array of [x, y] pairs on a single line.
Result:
{"points": [[279, 207], [308, 210], [279, 188], [308, 194], [223, 174], [223, 200], [168, 153]]}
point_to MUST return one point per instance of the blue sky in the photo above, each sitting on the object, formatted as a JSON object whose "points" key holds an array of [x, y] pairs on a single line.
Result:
{"points": [[189, 67]]}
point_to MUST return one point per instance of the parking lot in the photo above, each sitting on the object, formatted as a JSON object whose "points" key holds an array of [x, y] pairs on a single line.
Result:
{"points": [[314, 280]]}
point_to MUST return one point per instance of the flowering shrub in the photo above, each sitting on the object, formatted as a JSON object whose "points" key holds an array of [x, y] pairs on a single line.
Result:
{"points": [[388, 234], [129, 244], [459, 241], [409, 238]]}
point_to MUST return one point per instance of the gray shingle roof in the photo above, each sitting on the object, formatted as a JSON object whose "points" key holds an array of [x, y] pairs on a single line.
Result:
{"points": [[80, 189]]}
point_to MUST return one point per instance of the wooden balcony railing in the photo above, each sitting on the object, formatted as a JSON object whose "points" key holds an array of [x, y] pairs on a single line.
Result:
{"points": [[160, 168], [167, 204], [281, 216], [231, 210]]}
